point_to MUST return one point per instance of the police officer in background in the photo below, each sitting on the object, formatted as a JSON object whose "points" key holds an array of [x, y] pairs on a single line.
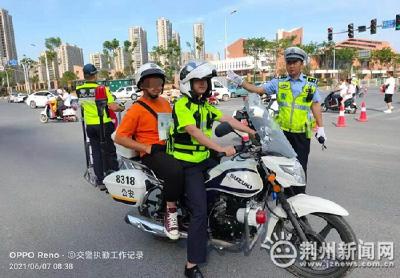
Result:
{"points": [[92, 122], [297, 96]]}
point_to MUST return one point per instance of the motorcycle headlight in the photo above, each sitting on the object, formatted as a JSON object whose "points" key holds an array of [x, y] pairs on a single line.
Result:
{"points": [[296, 171]]}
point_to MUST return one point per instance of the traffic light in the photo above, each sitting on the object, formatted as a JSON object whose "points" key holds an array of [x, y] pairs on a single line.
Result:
{"points": [[350, 30], [397, 22], [330, 30], [373, 26]]}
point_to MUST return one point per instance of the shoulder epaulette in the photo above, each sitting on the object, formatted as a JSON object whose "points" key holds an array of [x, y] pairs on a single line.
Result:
{"points": [[282, 76], [312, 80]]}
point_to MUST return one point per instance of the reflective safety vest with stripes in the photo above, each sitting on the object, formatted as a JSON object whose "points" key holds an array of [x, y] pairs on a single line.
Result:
{"points": [[181, 144], [86, 95], [294, 112]]}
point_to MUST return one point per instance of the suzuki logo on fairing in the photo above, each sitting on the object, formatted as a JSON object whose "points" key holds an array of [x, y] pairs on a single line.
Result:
{"points": [[242, 182]]}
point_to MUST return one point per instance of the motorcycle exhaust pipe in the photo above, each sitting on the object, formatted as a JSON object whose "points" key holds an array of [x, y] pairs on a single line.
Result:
{"points": [[149, 226], [145, 225]]}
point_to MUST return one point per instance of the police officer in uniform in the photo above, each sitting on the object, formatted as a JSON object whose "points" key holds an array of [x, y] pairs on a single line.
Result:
{"points": [[298, 97], [190, 144], [86, 93]]}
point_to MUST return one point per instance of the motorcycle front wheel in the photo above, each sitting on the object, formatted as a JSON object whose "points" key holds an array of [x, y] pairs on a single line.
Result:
{"points": [[328, 235]]}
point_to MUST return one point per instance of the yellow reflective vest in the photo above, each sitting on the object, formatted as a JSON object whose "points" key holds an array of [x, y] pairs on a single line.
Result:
{"points": [[294, 112], [86, 95]]}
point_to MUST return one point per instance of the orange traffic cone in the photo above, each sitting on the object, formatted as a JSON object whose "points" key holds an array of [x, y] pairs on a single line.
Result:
{"points": [[363, 115], [341, 122]]}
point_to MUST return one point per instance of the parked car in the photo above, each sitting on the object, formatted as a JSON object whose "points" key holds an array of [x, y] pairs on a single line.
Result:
{"points": [[39, 99], [127, 92], [239, 91], [17, 97], [219, 90]]}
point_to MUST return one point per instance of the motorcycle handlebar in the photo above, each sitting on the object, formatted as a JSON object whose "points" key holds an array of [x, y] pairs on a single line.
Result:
{"points": [[238, 148]]}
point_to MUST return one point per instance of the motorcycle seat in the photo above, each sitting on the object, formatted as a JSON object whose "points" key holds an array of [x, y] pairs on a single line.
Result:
{"points": [[125, 152]]}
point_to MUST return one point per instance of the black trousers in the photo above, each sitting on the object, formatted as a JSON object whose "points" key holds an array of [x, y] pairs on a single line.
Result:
{"points": [[196, 201], [109, 162], [301, 145], [167, 168]]}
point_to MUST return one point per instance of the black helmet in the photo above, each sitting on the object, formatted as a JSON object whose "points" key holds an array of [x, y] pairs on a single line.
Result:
{"points": [[89, 69]]}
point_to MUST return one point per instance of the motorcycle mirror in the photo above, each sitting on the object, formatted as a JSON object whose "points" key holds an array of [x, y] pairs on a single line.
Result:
{"points": [[223, 129], [239, 115]]}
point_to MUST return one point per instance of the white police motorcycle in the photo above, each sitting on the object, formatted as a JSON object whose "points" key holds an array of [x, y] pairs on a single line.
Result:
{"points": [[249, 203]]}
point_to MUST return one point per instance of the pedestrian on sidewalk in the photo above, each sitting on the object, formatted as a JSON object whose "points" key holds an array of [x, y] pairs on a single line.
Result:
{"points": [[390, 83]]}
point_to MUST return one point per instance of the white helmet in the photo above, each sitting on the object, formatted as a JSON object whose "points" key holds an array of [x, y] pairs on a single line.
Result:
{"points": [[196, 70], [148, 70]]}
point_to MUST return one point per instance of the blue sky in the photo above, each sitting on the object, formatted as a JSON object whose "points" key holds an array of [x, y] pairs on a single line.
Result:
{"points": [[89, 23]]}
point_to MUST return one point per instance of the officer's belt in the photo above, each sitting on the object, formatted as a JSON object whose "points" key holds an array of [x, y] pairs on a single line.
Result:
{"points": [[296, 106]]}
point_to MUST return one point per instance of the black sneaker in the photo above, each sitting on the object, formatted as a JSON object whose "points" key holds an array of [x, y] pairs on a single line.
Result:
{"points": [[193, 272]]}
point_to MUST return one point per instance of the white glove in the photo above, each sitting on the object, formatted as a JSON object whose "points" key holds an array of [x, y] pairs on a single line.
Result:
{"points": [[321, 133], [234, 78]]}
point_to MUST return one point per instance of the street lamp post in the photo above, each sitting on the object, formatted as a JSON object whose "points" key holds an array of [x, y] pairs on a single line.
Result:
{"points": [[334, 62], [26, 76], [8, 81], [226, 35], [47, 71]]}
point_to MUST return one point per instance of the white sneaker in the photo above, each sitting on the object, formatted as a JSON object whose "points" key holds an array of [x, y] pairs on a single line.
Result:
{"points": [[392, 108], [171, 223], [387, 111]]}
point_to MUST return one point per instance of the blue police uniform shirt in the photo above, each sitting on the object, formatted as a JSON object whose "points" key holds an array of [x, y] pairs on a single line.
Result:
{"points": [[296, 85]]}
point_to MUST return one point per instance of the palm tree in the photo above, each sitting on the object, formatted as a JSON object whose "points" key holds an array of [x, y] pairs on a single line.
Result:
{"points": [[51, 44], [34, 80], [110, 47], [199, 46], [130, 48]]}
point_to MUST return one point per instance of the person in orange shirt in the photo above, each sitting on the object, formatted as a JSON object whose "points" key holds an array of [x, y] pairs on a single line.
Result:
{"points": [[145, 128]]}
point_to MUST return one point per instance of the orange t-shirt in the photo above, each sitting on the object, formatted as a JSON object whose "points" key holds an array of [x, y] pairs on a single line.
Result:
{"points": [[139, 123]]}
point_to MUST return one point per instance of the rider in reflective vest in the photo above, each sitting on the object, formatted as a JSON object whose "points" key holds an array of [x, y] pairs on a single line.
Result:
{"points": [[190, 143]]}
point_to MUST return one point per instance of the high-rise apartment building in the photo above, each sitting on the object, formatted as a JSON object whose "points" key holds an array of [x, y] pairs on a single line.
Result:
{"points": [[8, 50], [68, 57], [176, 37], [164, 31], [121, 60], [99, 60], [53, 68], [138, 36], [198, 39]]}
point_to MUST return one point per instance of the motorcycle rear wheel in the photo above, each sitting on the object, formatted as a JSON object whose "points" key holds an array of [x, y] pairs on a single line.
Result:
{"points": [[303, 268], [43, 118]]}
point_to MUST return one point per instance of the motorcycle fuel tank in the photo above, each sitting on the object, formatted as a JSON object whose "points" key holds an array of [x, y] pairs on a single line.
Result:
{"points": [[237, 177]]}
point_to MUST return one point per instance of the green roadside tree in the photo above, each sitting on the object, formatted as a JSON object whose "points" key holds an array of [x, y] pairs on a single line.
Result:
{"points": [[67, 78]]}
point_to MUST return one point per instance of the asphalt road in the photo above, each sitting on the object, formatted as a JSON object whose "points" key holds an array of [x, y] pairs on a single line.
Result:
{"points": [[46, 206]]}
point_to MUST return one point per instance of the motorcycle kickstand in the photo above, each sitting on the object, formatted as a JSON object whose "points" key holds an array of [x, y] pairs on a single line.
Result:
{"points": [[220, 250]]}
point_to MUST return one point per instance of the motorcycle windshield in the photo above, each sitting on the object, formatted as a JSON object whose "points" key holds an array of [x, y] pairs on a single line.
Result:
{"points": [[273, 141]]}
